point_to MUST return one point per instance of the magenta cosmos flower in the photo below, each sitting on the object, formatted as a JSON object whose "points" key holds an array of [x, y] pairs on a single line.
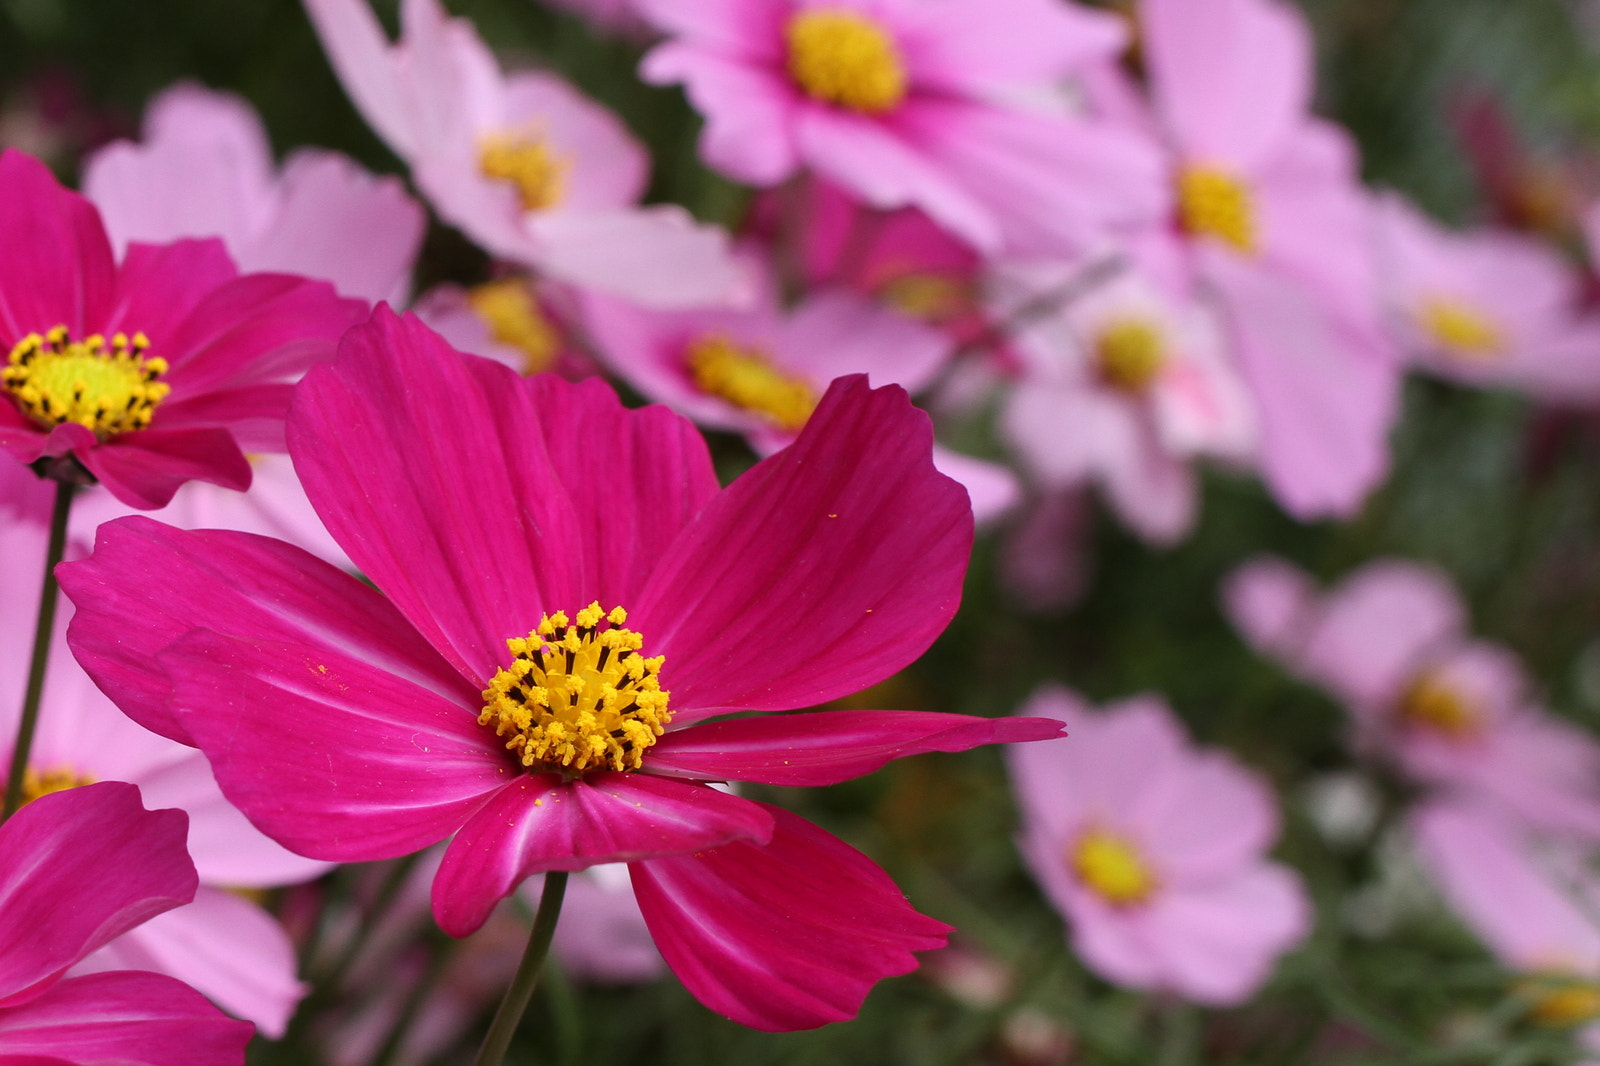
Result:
{"points": [[938, 105], [78, 869], [569, 607], [151, 372], [1154, 851]]}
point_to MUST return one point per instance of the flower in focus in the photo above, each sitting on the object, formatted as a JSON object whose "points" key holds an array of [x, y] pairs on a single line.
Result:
{"points": [[1154, 851], [151, 372], [78, 869], [935, 105], [1390, 641], [523, 164], [569, 606]]}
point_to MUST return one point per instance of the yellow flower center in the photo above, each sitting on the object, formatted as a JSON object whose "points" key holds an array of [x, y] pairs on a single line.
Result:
{"points": [[1212, 202], [1111, 866], [577, 696], [841, 57], [110, 390], [36, 783], [747, 379], [1561, 1000], [511, 312], [1461, 329], [1130, 353], [1435, 703], [526, 161]]}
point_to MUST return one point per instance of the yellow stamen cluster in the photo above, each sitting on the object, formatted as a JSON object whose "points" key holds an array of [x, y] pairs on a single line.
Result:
{"points": [[1130, 353], [526, 161], [1213, 202], [1433, 702], [1560, 1000], [511, 312], [110, 389], [1112, 867], [1461, 329], [747, 379], [36, 783], [844, 58], [578, 697]]}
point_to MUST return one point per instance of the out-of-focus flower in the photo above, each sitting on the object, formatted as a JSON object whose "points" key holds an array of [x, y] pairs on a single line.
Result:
{"points": [[1537, 192], [1121, 385], [1391, 642], [610, 16], [205, 169], [935, 105], [509, 319], [1044, 560], [498, 514], [1154, 851], [78, 869], [224, 946], [522, 163], [151, 372], [1272, 217], [1488, 307]]}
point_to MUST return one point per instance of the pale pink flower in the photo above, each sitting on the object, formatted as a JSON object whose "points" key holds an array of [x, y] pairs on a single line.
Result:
{"points": [[514, 320], [1391, 642], [522, 163], [1154, 851], [1273, 219], [1488, 307], [936, 105], [205, 169], [1122, 385]]}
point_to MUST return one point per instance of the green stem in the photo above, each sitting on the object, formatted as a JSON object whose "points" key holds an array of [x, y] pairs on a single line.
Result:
{"points": [[41, 650], [509, 1014]]}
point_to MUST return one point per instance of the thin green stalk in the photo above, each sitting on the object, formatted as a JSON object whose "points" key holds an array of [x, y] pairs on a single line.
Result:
{"points": [[41, 650], [509, 1014]]}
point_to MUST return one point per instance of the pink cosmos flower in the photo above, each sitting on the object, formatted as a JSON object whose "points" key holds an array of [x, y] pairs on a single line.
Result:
{"points": [[222, 945], [1123, 385], [1153, 850], [938, 105], [1489, 307], [1391, 642], [522, 163], [513, 320], [1273, 219], [504, 518], [205, 169], [76, 870], [151, 372]]}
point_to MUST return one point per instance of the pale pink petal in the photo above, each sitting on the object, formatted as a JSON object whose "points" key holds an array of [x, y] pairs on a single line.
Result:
{"points": [[538, 823], [121, 1019], [835, 332], [992, 488], [749, 115], [980, 47], [1269, 601], [1208, 818], [607, 166], [789, 935], [371, 73], [656, 256], [1154, 493]]}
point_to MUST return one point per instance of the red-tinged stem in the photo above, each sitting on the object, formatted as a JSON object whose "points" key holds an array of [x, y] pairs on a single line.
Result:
{"points": [[509, 1014]]}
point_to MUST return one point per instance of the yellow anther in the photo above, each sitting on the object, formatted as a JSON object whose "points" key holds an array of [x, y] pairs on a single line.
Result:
{"points": [[526, 161], [747, 379], [585, 700], [1213, 202], [1130, 353], [844, 58], [1461, 329], [109, 390], [1112, 867], [1433, 702], [1560, 1000], [510, 310], [930, 297], [36, 783]]}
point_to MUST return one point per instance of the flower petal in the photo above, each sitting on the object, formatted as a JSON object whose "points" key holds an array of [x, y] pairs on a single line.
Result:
{"points": [[537, 824], [57, 268], [331, 757], [825, 747], [788, 935], [78, 868], [824, 569], [144, 469]]}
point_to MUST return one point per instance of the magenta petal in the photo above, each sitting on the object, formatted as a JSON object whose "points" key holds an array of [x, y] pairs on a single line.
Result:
{"points": [[122, 1019], [429, 469], [147, 584], [57, 268], [158, 285], [144, 469], [825, 747], [331, 757], [788, 935], [823, 570], [78, 868], [538, 823]]}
